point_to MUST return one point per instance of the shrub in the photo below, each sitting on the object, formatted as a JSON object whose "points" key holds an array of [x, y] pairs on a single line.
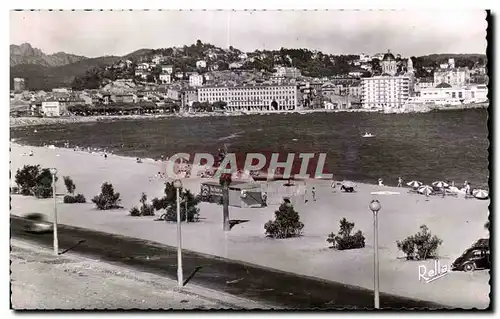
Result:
{"points": [[79, 198], [188, 206], [70, 199], [344, 240], [70, 186], [286, 224], [420, 246], [135, 212], [145, 210], [108, 199]]}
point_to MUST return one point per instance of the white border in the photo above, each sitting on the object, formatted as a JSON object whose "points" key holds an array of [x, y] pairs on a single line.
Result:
{"points": [[187, 4]]}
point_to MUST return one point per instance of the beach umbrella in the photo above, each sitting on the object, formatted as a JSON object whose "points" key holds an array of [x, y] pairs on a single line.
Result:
{"points": [[425, 189], [480, 194], [440, 184], [414, 184]]}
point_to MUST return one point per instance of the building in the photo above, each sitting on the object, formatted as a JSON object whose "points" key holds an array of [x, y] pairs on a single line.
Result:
{"points": [[389, 64], [201, 64], [195, 80], [386, 91], [157, 59], [143, 66], [122, 98], [62, 90], [51, 108], [19, 84], [446, 94], [165, 78], [287, 72], [452, 76], [169, 69], [188, 97], [354, 90], [252, 98], [235, 65]]}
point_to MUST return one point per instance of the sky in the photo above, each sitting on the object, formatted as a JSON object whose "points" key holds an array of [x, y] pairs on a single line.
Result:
{"points": [[98, 33]]}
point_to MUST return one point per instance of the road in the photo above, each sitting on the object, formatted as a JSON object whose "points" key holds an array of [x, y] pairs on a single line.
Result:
{"points": [[274, 287]]}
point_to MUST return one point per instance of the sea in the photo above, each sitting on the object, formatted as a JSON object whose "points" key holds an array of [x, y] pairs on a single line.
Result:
{"points": [[440, 145]]}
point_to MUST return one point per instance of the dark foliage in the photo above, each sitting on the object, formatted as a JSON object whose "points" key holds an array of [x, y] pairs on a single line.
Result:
{"points": [[145, 209], [70, 185], [420, 246], [344, 240], [32, 180], [188, 204], [76, 199], [107, 199], [286, 224]]}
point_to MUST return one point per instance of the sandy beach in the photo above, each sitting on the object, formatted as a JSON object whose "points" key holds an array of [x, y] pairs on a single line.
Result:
{"points": [[457, 221]]}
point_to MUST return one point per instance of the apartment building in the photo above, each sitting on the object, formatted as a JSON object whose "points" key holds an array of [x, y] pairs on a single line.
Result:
{"points": [[386, 91], [252, 98]]}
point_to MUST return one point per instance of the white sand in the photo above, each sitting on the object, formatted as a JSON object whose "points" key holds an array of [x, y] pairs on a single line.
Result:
{"points": [[457, 221]]}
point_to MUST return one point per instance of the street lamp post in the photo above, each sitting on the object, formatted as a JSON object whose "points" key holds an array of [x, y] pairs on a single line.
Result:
{"points": [[53, 172], [375, 207], [178, 185]]}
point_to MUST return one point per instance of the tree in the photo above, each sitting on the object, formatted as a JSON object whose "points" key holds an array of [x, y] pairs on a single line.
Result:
{"points": [[420, 246], [188, 206], [26, 178], [344, 239], [107, 199], [70, 186], [32, 180], [286, 224]]}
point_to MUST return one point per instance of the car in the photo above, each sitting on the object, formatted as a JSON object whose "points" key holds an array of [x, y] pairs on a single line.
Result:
{"points": [[37, 223], [474, 258]]}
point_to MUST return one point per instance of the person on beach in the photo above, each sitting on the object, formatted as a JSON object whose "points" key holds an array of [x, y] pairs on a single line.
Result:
{"points": [[305, 195], [380, 182], [105, 156], [444, 191], [400, 182], [333, 186], [313, 192], [31, 153]]}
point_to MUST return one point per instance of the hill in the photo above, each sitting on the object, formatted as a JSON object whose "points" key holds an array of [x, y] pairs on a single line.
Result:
{"points": [[26, 54], [40, 77]]}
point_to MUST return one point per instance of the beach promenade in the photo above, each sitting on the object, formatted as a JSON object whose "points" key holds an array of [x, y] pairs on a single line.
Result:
{"points": [[457, 221]]}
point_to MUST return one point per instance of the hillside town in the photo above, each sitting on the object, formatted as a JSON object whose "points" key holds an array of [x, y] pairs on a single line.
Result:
{"points": [[149, 84]]}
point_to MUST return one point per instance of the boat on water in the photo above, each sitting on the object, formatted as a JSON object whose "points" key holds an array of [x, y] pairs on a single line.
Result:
{"points": [[368, 135]]}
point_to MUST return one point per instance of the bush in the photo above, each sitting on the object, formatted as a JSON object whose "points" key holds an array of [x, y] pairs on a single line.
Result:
{"points": [[70, 186], [135, 212], [70, 199], [344, 240], [108, 199], [420, 246], [32, 180], [286, 224], [188, 205], [79, 198], [145, 210]]}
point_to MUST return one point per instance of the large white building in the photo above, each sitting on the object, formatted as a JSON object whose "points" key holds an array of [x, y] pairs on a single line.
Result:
{"points": [[452, 76], [287, 72], [51, 108], [386, 91], [453, 95], [195, 80], [252, 98]]}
